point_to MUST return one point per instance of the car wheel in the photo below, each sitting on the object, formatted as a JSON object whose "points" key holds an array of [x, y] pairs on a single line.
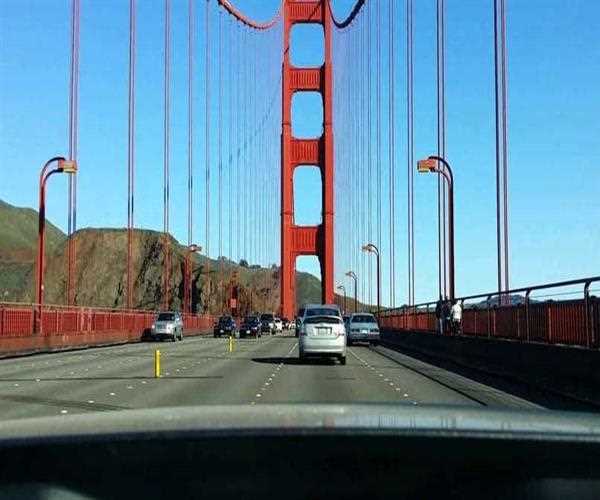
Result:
{"points": [[343, 360]]}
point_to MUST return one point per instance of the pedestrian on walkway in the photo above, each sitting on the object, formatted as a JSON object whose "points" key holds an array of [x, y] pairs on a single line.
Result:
{"points": [[456, 314], [446, 307], [439, 317]]}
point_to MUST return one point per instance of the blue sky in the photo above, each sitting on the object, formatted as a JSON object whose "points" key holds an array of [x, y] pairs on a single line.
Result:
{"points": [[554, 151]]}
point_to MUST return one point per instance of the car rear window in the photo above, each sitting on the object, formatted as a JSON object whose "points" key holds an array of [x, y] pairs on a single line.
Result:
{"points": [[363, 318], [322, 311], [165, 317], [266, 317], [323, 319]]}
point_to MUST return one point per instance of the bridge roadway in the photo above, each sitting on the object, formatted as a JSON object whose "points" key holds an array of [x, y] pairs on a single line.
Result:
{"points": [[200, 371]]}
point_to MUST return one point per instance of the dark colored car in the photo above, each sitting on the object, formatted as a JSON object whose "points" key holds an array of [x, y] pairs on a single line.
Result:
{"points": [[286, 323], [268, 323], [251, 327], [225, 326]]}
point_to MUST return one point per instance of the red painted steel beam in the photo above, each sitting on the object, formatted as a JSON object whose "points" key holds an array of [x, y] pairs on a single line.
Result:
{"points": [[315, 240]]}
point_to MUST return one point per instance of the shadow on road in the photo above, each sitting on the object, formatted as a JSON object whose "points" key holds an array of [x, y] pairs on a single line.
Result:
{"points": [[295, 361]]}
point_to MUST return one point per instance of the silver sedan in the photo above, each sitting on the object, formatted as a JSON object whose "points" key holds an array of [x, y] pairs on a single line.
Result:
{"points": [[362, 327]]}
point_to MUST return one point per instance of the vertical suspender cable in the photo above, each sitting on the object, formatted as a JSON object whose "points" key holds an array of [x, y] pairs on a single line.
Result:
{"points": [[441, 144], [238, 80], [505, 146], [230, 63], [190, 121], [410, 151], [243, 139], [131, 153], [370, 157], [166, 239], [220, 141], [73, 142], [501, 146], [207, 139], [378, 124], [391, 147]]}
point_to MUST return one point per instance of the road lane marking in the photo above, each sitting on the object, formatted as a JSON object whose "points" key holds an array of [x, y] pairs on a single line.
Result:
{"points": [[269, 381]]}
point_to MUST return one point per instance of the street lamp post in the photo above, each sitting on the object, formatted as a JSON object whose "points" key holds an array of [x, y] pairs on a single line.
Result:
{"points": [[370, 248], [187, 282], [64, 166], [343, 289], [352, 274], [432, 164]]}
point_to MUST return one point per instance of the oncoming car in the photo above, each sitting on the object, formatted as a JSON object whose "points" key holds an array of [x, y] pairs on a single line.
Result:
{"points": [[323, 333], [362, 327], [168, 325], [225, 326], [251, 327]]}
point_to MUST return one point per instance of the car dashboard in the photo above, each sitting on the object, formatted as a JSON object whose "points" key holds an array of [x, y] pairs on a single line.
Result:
{"points": [[298, 451]]}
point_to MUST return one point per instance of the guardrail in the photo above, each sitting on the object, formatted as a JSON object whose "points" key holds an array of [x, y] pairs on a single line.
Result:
{"points": [[574, 322], [18, 320]]}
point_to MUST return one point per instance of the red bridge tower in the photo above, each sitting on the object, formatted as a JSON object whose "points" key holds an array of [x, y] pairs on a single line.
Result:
{"points": [[306, 240]]}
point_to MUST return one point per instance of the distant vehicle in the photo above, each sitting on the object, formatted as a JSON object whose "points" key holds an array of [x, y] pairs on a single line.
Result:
{"points": [[292, 324], [286, 323], [167, 325], [278, 324], [251, 327], [362, 327], [225, 326], [268, 323], [322, 332]]}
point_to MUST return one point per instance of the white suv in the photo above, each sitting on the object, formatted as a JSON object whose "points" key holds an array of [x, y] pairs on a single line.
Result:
{"points": [[322, 332]]}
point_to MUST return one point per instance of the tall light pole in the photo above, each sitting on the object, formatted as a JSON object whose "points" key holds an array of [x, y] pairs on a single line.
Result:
{"points": [[370, 248], [343, 289], [432, 164], [187, 282], [64, 166], [352, 274]]}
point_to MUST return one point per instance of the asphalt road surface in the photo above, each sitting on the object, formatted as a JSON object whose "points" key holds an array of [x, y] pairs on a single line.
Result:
{"points": [[201, 371]]}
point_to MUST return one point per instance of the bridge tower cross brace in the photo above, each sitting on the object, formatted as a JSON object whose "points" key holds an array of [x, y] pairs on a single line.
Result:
{"points": [[306, 240]]}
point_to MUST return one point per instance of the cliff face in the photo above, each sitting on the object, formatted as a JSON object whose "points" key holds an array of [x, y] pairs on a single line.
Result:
{"points": [[101, 275], [18, 247]]}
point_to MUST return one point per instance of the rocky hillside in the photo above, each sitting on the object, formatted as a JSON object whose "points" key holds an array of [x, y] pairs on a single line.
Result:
{"points": [[18, 247], [100, 277]]}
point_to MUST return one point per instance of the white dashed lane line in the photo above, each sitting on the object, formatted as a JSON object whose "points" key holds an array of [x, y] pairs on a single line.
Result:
{"points": [[387, 381], [270, 378]]}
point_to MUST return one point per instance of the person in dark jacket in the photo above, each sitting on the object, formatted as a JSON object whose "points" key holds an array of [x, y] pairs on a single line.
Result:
{"points": [[446, 310], [439, 315]]}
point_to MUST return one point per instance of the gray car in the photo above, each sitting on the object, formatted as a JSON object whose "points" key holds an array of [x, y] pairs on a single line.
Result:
{"points": [[168, 325], [362, 327]]}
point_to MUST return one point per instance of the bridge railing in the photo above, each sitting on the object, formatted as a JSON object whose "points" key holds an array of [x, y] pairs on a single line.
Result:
{"points": [[19, 320], [515, 315]]}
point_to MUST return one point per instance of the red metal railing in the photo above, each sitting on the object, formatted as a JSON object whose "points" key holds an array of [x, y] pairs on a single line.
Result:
{"points": [[18, 320], [574, 322]]}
